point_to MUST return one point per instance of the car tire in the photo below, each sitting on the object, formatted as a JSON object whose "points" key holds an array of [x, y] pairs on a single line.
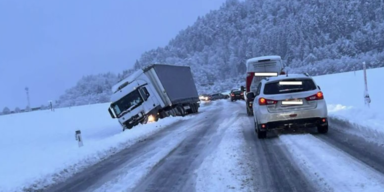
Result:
{"points": [[261, 134], [322, 129]]}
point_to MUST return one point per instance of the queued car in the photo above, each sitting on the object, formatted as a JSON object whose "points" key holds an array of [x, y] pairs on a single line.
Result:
{"points": [[236, 95], [217, 96], [205, 97], [284, 101]]}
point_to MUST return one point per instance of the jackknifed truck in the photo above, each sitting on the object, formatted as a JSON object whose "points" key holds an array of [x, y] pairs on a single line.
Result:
{"points": [[156, 91]]}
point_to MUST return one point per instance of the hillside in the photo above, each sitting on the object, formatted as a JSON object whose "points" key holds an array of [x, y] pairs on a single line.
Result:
{"points": [[315, 36]]}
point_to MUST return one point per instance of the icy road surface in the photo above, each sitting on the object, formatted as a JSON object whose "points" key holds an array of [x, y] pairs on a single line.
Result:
{"points": [[218, 150]]}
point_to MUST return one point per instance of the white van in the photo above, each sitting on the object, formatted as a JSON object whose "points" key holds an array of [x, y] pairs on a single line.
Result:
{"points": [[257, 69]]}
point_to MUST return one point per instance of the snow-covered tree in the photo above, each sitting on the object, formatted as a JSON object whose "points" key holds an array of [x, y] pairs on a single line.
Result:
{"points": [[6, 110], [317, 37]]}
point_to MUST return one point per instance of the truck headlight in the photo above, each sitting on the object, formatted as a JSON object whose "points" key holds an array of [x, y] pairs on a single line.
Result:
{"points": [[151, 118]]}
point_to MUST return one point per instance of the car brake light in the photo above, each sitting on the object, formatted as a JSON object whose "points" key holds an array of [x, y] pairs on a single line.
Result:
{"points": [[232, 94], [263, 101], [318, 96], [242, 93]]}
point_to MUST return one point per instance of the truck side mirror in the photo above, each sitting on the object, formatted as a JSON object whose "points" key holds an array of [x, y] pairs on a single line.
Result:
{"points": [[111, 113], [242, 88]]}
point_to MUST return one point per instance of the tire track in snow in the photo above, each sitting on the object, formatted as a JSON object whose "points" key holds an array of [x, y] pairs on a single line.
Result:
{"points": [[111, 167], [329, 167], [370, 153], [271, 167], [224, 169], [176, 171]]}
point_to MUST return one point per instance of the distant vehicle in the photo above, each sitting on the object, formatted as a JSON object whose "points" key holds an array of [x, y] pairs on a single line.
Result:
{"points": [[217, 96], [157, 91], [205, 97], [281, 102], [226, 95], [237, 95], [257, 69]]}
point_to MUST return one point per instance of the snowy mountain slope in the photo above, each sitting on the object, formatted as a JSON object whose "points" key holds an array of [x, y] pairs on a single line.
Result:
{"points": [[39, 148], [311, 36], [317, 37]]}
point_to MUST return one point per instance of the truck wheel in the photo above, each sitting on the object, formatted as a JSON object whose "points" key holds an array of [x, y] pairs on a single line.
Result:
{"points": [[183, 111], [248, 112], [193, 108], [196, 108]]}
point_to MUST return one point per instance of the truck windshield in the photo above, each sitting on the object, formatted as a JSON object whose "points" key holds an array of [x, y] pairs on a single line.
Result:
{"points": [[127, 103]]}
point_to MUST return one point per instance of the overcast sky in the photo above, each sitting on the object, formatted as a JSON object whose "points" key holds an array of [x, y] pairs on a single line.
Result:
{"points": [[49, 45]]}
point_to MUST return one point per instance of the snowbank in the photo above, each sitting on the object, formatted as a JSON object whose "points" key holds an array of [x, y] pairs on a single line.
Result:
{"points": [[344, 94], [39, 148]]}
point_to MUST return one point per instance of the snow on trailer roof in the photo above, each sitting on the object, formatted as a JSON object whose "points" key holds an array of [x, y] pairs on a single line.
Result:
{"points": [[129, 79], [271, 57]]}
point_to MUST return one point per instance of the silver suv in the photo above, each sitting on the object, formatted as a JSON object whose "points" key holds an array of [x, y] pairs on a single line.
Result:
{"points": [[284, 101]]}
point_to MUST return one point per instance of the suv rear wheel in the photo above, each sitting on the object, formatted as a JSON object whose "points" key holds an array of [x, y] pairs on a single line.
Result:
{"points": [[260, 134], [322, 129]]}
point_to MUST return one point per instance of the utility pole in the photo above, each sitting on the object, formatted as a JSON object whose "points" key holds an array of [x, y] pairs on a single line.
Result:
{"points": [[28, 103]]}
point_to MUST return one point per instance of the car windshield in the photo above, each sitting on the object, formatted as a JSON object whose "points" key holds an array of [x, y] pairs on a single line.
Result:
{"points": [[289, 86], [237, 92], [127, 103]]}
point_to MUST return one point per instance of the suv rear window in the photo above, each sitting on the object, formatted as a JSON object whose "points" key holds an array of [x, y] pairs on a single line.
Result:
{"points": [[275, 87]]}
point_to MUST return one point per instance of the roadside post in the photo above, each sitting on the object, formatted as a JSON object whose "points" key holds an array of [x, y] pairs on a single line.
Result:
{"points": [[367, 99], [78, 138]]}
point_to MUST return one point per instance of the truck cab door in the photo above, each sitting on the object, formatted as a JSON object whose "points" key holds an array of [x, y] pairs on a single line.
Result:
{"points": [[149, 102]]}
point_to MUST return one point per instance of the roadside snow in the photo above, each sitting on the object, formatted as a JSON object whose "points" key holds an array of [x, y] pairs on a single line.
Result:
{"points": [[330, 168], [130, 175], [224, 170], [344, 92], [39, 148]]}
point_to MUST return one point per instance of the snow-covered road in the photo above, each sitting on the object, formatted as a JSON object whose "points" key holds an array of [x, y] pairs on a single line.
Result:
{"points": [[218, 150]]}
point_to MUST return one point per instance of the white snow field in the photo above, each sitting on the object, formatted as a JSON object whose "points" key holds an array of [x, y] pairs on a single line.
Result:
{"points": [[39, 148], [344, 93]]}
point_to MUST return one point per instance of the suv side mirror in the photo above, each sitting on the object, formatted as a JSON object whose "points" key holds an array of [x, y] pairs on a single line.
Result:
{"points": [[318, 87]]}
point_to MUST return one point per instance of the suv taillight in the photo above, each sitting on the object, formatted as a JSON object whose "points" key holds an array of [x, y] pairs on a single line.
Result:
{"points": [[318, 96], [263, 101]]}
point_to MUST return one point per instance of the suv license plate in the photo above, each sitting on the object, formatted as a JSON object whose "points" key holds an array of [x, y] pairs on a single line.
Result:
{"points": [[292, 102]]}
